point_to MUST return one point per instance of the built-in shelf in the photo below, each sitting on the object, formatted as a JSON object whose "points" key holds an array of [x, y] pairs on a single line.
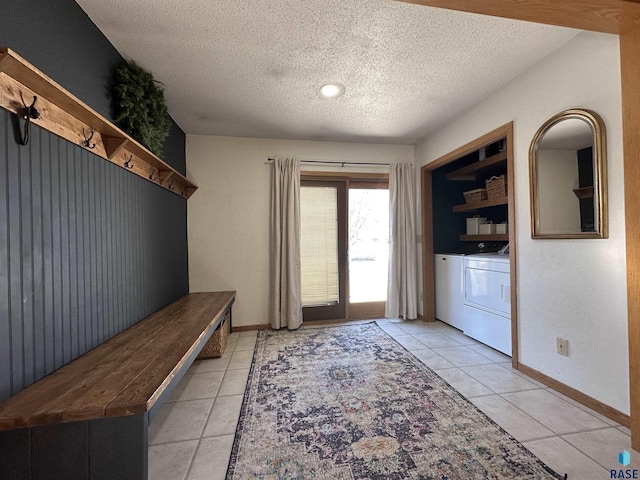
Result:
{"points": [[494, 237], [497, 162], [68, 117], [584, 192], [492, 202]]}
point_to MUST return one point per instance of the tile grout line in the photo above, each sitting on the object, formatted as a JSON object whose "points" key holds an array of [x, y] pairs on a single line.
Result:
{"points": [[536, 387], [466, 346], [559, 435], [583, 452], [193, 457], [196, 451], [174, 442], [525, 377], [584, 408], [575, 448]]}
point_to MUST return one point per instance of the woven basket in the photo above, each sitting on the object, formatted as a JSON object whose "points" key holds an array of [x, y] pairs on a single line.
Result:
{"points": [[215, 346], [496, 186], [477, 195]]}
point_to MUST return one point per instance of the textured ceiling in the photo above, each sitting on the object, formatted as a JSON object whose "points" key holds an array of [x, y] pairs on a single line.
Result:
{"points": [[253, 68]]}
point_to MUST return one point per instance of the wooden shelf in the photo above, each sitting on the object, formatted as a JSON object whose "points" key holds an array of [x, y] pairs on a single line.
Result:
{"points": [[470, 172], [584, 192], [68, 117], [492, 202], [494, 237]]}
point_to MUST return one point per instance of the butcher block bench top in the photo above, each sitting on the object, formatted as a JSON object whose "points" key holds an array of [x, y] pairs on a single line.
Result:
{"points": [[124, 375]]}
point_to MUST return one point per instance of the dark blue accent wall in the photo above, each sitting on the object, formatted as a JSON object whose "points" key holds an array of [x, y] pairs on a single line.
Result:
{"points": [[448, 225], [585, 179], [59, 39], [86, 248]]}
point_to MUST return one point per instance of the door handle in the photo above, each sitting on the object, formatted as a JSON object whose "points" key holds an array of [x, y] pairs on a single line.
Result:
{"points": [[505, 293]]}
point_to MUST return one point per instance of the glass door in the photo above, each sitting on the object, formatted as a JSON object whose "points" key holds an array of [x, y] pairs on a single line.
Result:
{"points": [[368, 248], [323, 249]]}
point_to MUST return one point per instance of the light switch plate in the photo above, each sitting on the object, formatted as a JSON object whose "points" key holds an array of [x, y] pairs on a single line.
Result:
{"points": [[562, 346]]}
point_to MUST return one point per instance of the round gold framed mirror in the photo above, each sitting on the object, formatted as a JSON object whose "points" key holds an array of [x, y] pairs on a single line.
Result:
{"points": [[568, 177]]}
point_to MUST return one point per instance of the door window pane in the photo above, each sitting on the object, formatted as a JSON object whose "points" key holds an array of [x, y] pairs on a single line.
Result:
{"points": [[319, 245], [368, 244]]}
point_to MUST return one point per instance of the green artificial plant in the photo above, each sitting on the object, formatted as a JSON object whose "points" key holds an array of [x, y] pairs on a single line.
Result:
{"points": [[139, 106]]}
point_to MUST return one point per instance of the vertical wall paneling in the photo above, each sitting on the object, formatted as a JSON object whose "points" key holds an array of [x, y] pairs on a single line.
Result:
{"points": [[81, 160], [63, 290], [27, 253], [56, 247], [140, 258], [86, 254], [48, 326], [5, 333], [14, 270], [107, 243], [103, 296], [64, 250], [37, 292], [97, 255], [86, 251]]}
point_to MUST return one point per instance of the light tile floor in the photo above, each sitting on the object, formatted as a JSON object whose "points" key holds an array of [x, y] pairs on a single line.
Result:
{"points": [[192, 436]]}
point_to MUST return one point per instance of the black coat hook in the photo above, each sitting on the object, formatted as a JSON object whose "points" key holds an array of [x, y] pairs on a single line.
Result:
{"points": [[170, 186], [28, 113], [153, 177], [128, 163], [87, 141]]}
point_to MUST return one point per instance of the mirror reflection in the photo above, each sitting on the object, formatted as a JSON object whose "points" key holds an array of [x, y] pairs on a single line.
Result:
{"points": [[567, 167]]}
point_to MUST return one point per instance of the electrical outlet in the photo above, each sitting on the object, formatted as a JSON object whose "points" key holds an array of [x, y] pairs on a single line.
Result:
{"points": [[562, 346]]}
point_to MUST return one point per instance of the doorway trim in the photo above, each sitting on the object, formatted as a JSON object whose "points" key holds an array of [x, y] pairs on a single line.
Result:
{"points": [[426, 195]]}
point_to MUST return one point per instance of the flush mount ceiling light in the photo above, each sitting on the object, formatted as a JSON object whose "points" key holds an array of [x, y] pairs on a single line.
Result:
{"points": [[332, 90]]}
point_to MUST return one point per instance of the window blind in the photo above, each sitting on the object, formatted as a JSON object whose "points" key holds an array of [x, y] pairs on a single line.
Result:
{"points": [[319, 245]]}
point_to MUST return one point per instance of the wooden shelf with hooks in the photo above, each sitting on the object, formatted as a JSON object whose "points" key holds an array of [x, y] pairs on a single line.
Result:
{"points": [[68, 117]]}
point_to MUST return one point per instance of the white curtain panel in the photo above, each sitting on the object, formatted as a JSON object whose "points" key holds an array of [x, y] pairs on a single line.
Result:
{"points": [[285, 286], [403, 286]]}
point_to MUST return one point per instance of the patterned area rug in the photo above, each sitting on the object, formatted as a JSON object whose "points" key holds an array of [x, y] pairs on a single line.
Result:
{"points": [[349, 402]]}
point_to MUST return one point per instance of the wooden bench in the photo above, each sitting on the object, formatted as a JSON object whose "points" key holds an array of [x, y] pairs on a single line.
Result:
{"points": [[89, 418]]}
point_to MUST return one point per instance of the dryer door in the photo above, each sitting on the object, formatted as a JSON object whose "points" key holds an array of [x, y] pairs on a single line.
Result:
{"points": [[488, 290]]}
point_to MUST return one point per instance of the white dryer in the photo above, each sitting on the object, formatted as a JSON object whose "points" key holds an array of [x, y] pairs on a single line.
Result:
{"points": [[487, 300]]}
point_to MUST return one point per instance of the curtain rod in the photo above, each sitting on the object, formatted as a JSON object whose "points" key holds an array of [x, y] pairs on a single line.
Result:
{"points": [[339, 163]]}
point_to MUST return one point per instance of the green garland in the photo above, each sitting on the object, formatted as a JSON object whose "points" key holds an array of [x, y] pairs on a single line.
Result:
{"points": [[139, 106]]}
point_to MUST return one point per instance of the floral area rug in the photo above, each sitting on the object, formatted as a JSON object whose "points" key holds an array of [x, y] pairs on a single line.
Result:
{"points": [[349, 402]]}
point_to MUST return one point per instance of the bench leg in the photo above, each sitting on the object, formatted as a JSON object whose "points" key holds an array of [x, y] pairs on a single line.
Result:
{"points": [[103, 449], [15, 454], [119, 448]]}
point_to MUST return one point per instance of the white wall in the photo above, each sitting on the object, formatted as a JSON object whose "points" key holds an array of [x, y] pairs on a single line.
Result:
{"points": [[228, 216], [575, 289]]}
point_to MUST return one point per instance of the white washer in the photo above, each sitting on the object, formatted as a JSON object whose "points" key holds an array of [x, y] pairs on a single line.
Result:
{"points": [[450, 289], [487, 300]]}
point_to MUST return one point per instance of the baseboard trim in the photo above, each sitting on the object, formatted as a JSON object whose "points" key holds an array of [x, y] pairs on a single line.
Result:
{"points": [[422, 319], [248, 328], [578, 396]]}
